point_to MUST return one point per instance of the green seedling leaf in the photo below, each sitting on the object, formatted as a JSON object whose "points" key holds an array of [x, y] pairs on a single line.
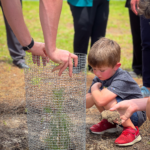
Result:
{"points": [[4, 122], [26, 110], [35, 81], [47, 110]]}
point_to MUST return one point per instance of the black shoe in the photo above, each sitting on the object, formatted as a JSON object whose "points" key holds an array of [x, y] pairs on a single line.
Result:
{"points": [[22, 65]]}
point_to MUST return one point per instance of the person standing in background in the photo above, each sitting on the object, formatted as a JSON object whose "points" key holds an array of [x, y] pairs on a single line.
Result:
{"points": [[90, 20], [136, 38], [14, 47], [145, 37]]}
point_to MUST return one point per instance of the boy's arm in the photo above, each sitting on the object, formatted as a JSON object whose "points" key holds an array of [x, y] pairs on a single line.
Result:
{"points": [[49, 16], [102, 97]]}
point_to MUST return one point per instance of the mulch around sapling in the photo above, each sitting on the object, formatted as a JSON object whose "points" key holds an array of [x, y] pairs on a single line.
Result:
{"points": [[13, 127]]}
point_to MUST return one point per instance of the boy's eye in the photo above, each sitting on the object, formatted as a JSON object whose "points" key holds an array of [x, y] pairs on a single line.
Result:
{"points": [[102, 70]]}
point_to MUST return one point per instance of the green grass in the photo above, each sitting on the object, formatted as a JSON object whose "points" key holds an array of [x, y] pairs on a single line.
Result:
{"points": [[118, 29]]}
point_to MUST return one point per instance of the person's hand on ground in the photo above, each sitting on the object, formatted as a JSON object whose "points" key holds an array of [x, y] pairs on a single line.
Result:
{"points": [[134, 6], [64, 59], [38, 50], [125, 108]]}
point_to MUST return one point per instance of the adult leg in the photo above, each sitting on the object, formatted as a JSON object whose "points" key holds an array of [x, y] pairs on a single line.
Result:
{"points": [[81, 18], [81, 28], [136, 37], [15, 49], [145, 36], [99, 18]]}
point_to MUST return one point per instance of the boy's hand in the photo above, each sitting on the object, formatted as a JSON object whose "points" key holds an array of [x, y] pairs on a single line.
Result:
{"points": [[96, 86], [125, 108]]}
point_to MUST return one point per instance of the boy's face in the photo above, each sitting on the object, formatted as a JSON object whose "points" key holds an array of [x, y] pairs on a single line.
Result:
{"points": [[105, 73]]}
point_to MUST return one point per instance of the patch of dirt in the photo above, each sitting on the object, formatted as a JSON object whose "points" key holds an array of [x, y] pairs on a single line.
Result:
{"points": [[110, 116], [13, 121]]}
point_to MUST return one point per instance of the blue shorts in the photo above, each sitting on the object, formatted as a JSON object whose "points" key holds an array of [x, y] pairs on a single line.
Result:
{"points": [[134, 118]]}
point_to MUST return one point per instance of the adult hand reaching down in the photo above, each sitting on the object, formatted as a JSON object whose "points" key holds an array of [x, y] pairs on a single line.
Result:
{"points": [[64, 59], [38, 50], [127, 107]]}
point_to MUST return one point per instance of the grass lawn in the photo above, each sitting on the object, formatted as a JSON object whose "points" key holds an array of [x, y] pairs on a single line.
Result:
{"points": [[118, 29]]}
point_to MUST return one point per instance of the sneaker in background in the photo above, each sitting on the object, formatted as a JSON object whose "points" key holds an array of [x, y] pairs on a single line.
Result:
{"points": [[145, 92], [128, 137]]}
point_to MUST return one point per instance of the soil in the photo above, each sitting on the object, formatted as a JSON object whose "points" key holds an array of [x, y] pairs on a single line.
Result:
{"points": [[13, 126], [110, 116]]}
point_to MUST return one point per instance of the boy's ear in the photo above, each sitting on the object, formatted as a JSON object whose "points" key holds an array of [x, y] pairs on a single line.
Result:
{"points": [[117, 66]]}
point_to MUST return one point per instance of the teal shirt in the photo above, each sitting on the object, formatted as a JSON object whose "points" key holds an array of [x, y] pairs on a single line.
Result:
{"points": [[81, 3]]}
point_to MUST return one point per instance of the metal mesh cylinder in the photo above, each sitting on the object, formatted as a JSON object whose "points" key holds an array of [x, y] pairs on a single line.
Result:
{"points": [[56, 109]]}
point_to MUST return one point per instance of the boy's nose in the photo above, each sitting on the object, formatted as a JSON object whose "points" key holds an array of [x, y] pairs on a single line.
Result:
{"points": [[98, 73]]}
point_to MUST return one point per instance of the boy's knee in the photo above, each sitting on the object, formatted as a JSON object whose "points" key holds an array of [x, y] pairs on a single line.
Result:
{"points": [[110, 104]]}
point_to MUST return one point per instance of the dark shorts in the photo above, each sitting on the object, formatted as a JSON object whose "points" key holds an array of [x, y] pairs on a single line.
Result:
{"points": [[134, 117]]}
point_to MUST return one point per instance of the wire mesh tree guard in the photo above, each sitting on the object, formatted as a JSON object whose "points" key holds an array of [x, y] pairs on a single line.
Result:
{"points": [[56, 107]]}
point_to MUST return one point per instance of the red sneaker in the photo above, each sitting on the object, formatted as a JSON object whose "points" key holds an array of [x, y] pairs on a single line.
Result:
{"points": [[129, 136], [103, 127]]}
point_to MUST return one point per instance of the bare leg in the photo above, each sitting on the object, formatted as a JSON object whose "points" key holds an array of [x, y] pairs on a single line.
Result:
{"points": [[90, 102], [148, 108]]}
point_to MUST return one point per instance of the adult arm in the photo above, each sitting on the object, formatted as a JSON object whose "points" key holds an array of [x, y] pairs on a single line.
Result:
{"points": [[127, 107], [13, 12], [49, 20], [49, 16]]}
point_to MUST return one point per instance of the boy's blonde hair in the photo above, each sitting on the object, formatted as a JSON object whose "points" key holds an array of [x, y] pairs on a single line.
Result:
{"points": [[144, 8], [104, 53]]}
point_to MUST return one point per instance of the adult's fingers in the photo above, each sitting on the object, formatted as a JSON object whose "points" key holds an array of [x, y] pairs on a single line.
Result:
{"points": [[47, 59], [34, 59], [44, 60], [116, 121], [38, 60], [63, 68], [115, 107], [70, 65], [58, 67], [75, 58]]}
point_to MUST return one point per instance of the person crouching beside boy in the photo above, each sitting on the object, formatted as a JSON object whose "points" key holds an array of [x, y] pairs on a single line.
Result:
{"points": [[110, 86]]}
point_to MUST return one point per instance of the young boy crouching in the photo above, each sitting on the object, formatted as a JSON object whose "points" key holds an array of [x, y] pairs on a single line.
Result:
{"points": [[112, 85]]}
